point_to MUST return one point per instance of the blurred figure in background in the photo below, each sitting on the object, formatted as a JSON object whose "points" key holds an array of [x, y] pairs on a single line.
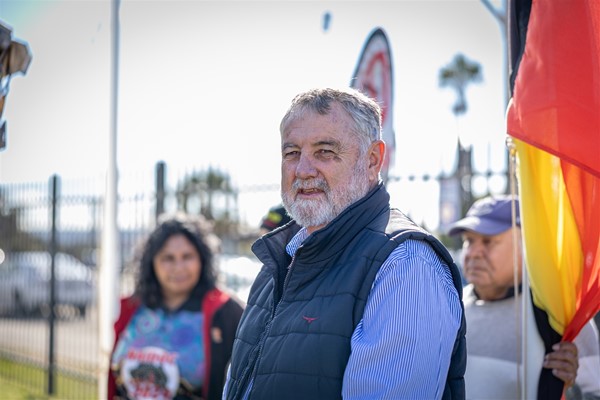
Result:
{"points": [[276, 217], [489, 298], [174, 335]]}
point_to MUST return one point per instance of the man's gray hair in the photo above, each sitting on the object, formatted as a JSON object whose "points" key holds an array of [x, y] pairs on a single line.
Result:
{"points": [[363, 110]]}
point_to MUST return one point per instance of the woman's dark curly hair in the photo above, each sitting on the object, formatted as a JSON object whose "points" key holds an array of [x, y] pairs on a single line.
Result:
{"points": [[199, 232]]}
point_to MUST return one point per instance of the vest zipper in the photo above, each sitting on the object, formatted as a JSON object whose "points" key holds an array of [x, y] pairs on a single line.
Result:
{"points": [[252, 373]]}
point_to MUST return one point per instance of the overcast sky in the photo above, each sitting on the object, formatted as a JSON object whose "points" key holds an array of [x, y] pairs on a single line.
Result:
{"points": [[207, 82]]}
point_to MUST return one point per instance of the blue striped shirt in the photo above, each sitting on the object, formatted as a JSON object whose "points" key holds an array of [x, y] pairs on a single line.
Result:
{"points": [[401, 349]]}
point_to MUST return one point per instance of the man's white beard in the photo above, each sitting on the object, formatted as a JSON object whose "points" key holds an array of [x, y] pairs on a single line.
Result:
{"points": [[321, 211]]}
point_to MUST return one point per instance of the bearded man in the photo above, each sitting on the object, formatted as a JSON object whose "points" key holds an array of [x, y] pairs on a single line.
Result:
{"points": [[354, 300]]}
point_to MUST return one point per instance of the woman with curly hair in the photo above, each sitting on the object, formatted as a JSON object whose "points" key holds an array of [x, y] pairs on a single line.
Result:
{"points": [[174, 335]]}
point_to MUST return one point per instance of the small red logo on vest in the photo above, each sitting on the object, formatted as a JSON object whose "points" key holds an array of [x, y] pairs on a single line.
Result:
{"points": [[309, 319]]}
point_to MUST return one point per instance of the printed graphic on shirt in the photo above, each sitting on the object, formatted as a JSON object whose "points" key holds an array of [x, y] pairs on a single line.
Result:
{"points": [[178, 334], [150, 374]]}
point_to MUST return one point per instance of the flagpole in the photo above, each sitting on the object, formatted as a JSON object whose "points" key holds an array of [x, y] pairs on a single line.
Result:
{"points": [[524, 329], [108, 283], [520, 298]]}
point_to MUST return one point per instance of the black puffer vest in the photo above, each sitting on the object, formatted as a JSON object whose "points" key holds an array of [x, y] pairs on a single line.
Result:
{"points": [[293, 341]]}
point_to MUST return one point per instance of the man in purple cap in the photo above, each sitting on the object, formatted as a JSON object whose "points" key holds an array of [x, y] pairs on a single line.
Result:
{"points": [[494, 320]]}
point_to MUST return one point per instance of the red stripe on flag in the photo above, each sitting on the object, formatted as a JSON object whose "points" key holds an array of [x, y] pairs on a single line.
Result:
{"points": [[556, 97]]}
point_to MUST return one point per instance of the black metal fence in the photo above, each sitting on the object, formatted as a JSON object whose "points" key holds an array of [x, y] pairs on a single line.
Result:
{"points": [[50, 239]]}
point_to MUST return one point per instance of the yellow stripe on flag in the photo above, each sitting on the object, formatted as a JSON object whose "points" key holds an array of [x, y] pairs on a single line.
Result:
{"points": [[552, 245]]}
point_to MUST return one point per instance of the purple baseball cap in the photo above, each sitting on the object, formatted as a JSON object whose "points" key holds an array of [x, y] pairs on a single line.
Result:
{"points": [[488, 216]]}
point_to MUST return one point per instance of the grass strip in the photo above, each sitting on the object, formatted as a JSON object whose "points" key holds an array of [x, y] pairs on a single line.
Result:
{"points": [[30, 382]]}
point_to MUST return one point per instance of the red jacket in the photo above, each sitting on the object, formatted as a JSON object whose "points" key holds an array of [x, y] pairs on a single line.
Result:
{"points": [[220, 311]]}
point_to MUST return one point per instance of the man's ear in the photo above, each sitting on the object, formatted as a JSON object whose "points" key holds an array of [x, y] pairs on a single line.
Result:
{"points": [[376, 155]]}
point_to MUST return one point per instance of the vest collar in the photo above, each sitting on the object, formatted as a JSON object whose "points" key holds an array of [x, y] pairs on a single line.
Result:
{"points": [[332, 238]]}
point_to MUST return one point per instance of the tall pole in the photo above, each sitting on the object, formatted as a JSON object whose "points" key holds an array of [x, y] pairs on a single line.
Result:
{"points": [[108, 284], [501, 16]]}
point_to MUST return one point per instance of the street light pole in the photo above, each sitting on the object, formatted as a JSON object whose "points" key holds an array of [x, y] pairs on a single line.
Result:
{"points": [[501, 15], [108, 284]]}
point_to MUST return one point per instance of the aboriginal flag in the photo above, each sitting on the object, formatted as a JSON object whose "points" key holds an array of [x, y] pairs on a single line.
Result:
{"points": [[554, 119]]}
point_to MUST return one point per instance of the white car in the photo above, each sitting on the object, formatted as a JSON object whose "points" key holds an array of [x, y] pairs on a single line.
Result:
{"points": [[237, 273], [25, 283]]}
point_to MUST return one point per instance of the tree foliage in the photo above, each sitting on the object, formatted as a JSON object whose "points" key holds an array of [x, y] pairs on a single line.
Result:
{"points": [[457, 75]]}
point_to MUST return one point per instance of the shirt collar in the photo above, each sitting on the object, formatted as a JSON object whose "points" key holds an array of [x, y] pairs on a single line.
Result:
{"points": [[509, 293], [296, 241]]}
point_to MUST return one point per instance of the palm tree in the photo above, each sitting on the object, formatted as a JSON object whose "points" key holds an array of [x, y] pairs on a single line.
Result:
{"points": [[457, 75]]}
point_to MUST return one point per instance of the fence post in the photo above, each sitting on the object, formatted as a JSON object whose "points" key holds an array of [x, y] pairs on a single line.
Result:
{"points": [[53, 246], [160, 189]]}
